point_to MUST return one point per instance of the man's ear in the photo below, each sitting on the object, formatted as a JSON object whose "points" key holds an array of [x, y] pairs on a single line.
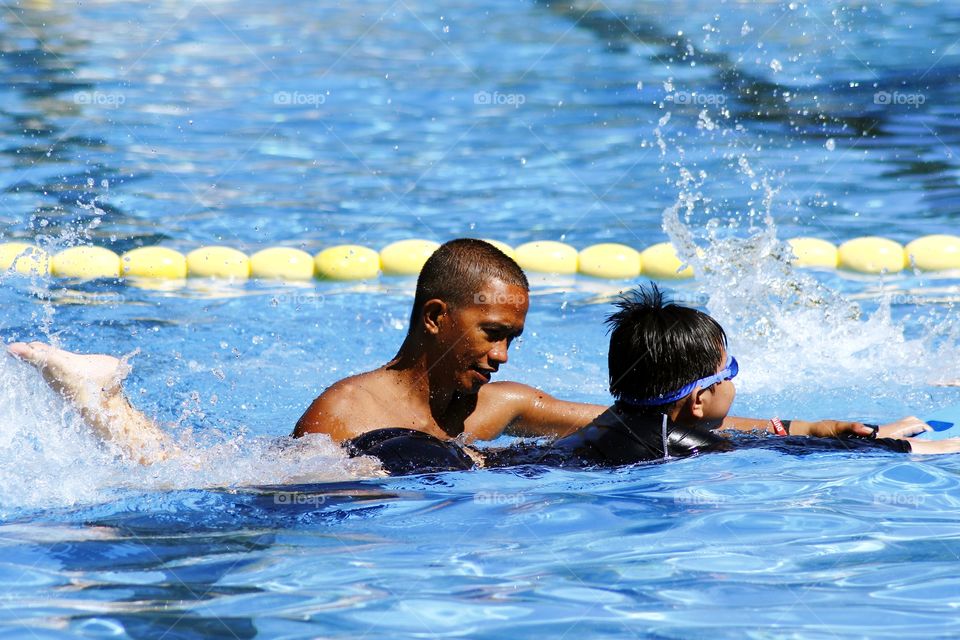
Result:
{"points": [[434, 312]]}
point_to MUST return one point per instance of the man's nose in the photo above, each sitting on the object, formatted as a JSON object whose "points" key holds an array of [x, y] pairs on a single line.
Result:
{"points": [[499, 352]]}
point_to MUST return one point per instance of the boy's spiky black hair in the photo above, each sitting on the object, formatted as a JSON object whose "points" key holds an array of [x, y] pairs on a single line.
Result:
{"points": [[657, 347]]}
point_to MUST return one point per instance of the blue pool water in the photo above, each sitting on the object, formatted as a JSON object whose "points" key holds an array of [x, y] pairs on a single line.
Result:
{"points": [[724, 126]]}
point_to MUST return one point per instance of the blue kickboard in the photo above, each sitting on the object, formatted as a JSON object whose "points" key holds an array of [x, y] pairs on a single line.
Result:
{"points": [[945, 423]]}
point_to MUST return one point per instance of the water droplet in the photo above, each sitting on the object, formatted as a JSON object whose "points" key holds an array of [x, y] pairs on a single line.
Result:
{"points": [[831, 144]]}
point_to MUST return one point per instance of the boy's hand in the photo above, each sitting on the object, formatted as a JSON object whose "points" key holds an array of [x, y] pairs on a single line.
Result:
{"points": [[831, 429], [903, 428]]}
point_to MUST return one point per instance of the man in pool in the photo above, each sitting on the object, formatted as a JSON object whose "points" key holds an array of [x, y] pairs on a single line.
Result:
{"points": [[470, 304]]}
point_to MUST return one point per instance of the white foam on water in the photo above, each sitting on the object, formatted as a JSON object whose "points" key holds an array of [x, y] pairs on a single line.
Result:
{"points": [[52, 459]]}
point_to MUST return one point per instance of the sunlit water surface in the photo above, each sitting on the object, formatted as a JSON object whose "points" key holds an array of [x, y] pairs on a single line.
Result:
{"points": [[726, 127]]}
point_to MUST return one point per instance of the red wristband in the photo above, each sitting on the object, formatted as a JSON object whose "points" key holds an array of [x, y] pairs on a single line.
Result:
{"points": [[778, 427]]}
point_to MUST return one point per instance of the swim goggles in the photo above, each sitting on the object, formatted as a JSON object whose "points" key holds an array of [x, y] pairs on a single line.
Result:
{"points": [[729, 371]]}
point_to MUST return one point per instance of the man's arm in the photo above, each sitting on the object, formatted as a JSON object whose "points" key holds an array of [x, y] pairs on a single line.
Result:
{"points": [[520, 410]]}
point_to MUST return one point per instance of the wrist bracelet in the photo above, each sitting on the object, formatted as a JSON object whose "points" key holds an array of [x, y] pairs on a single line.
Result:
{"points": [[876, 429], [778, 427]]}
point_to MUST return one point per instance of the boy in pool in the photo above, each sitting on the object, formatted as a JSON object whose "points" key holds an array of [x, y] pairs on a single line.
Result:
{"points": [[672, 380]]}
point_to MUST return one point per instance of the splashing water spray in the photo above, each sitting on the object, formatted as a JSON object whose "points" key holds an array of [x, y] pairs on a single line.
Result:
{"points": [[802, 341]]}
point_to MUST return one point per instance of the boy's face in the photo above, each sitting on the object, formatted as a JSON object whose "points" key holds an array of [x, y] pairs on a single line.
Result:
{"points": [[716, 399]]}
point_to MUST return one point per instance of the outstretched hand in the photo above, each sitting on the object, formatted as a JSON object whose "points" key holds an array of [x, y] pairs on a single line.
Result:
{"points": [[837, 429], [903, 428]]}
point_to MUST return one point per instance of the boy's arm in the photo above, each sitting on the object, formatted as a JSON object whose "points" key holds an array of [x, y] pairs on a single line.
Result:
{"points": [[931, 447], [829, 428]]}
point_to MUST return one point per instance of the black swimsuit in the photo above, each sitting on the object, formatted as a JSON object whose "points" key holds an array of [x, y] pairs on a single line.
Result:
{"points": [[609, 443], [403, 451]]}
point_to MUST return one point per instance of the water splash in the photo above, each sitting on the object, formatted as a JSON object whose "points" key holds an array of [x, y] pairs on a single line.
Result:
{"points": [[798, 335], [54, 461]]}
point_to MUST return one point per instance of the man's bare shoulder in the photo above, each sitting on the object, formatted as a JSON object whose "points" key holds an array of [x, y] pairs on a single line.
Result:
{"points": [[352, 387], [342, 410]]}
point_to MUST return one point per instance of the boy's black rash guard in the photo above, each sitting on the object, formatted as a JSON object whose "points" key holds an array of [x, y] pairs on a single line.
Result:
{"points": [[612, 443]]}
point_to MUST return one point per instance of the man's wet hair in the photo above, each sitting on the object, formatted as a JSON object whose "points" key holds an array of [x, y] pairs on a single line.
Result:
{"points": [[459, 269], [657, 347]]}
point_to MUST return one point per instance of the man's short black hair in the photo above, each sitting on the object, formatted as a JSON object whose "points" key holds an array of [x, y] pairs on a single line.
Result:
{"points": [[657, 347], [459, 269]]}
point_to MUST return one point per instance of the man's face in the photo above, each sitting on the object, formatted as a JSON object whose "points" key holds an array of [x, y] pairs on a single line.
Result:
{"points": [[477, 335]]}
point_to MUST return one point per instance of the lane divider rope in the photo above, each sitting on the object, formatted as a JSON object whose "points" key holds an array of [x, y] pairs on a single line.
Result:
{"points": [[612, 261]]}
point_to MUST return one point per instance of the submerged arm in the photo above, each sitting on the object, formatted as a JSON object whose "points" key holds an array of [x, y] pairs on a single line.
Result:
{"points": [[818, 429]]}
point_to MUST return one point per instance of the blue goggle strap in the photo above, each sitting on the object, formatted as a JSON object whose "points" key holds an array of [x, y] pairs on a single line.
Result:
{"points": [[729, 371]]}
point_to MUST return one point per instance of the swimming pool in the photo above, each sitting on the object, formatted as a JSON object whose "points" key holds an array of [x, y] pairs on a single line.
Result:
{"points": [[127, 125]]}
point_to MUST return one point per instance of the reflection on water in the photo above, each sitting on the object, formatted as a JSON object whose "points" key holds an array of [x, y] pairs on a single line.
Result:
{"points": [[247, 125], [668, 548]]}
